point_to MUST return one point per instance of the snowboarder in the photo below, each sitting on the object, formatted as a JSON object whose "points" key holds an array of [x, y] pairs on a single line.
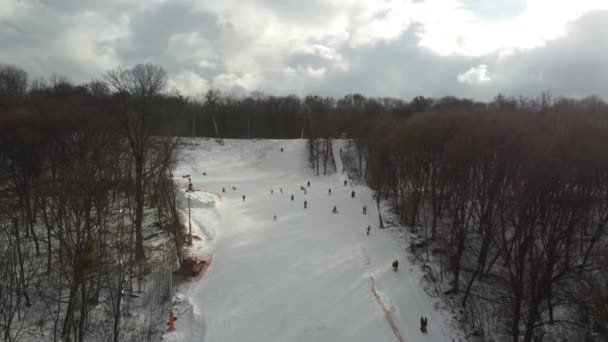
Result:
{"points": [[352, 194], [223, 190], [243, 198], [368, 228], [330, 191], [292, 197], [302, 188], [335, 211], [395, 265], [345, 182], [308, 184], [305, 204], [274, 218], [364, 210]]}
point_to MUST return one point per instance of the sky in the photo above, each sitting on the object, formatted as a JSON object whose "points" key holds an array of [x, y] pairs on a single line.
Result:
{"points": [[398, 48]]}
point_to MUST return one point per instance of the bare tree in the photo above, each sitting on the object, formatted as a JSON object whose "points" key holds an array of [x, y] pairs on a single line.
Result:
{"points": [[141, 86]]}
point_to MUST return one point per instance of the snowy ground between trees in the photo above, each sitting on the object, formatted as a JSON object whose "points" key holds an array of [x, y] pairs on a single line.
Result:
{"points": [[306, 276]]}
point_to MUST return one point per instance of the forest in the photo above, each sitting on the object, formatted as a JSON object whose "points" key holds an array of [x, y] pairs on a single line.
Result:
{"points": [[507, 200]]}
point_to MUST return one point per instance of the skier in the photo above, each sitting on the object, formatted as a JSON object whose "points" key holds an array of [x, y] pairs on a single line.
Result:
{"points": [[423, 324], [274, 218], [271, 192], [204, 173], [308, 184], [281, 190], [368, 228], [330, 191], [335, 211], [305, 204], [302, 188], [352, 194], [364, 210], [395, 265], [243, 198], [345, 182], [292, 197], [281, 149], [223, 190], [233, 187]]}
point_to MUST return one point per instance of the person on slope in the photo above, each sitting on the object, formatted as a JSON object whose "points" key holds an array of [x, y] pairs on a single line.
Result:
{"points": [[223, 190], [345, 182], [352, 194], [292, 197], [305, 204], [271, 192], [364, 210], [243, 198], [308, 184], [329, 191], [423, 325], [274, 218], [368, 228], [335, 211], [395, 265]]}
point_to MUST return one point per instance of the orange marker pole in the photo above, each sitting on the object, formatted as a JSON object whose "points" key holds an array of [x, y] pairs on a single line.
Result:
{"points": [[171, 320]]}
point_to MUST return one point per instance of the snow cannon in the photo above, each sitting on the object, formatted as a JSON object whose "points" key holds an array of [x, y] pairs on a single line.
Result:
{"points": [[194, 266]]}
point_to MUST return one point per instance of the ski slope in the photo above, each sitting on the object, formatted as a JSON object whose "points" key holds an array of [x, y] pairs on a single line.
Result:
{"points": [[306, 276]]}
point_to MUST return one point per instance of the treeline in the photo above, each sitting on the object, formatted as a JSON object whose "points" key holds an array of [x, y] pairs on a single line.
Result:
{"points": [[511, 199], [508, 198], [79, 165]]}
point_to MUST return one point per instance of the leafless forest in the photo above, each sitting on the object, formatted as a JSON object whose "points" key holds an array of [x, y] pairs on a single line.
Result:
{"points": [[508, 199]]}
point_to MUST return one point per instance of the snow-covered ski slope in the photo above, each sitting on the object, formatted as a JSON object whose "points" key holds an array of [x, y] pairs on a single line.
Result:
{"points": [[306, 276]]}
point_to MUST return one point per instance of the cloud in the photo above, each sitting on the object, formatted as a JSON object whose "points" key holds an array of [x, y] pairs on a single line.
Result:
{"points": [[475, 75], [401, 48]]}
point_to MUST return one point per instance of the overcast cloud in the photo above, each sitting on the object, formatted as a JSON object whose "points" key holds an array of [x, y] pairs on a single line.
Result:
{"points": [[400, 48]]}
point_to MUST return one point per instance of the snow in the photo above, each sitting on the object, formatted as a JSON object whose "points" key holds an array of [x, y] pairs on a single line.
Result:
{"points": [[306, 276]]}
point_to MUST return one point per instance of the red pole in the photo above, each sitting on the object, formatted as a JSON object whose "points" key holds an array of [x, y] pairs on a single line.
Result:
{"points": [[171, 320]]}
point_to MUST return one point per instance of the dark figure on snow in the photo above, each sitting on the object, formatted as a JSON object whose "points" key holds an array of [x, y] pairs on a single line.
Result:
{"points": [[281, 190], [204, 173], [271, 191], [302, 188], [223, 190], [395, 265], [281, 149], [274, 218], [364, 210], [234, 188], [292, 197], [368, 228], [352, 194], [423, 324], [305, 204], [243, 198], [335, 211], [345, 182], [308, 183], [330, 191]]}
